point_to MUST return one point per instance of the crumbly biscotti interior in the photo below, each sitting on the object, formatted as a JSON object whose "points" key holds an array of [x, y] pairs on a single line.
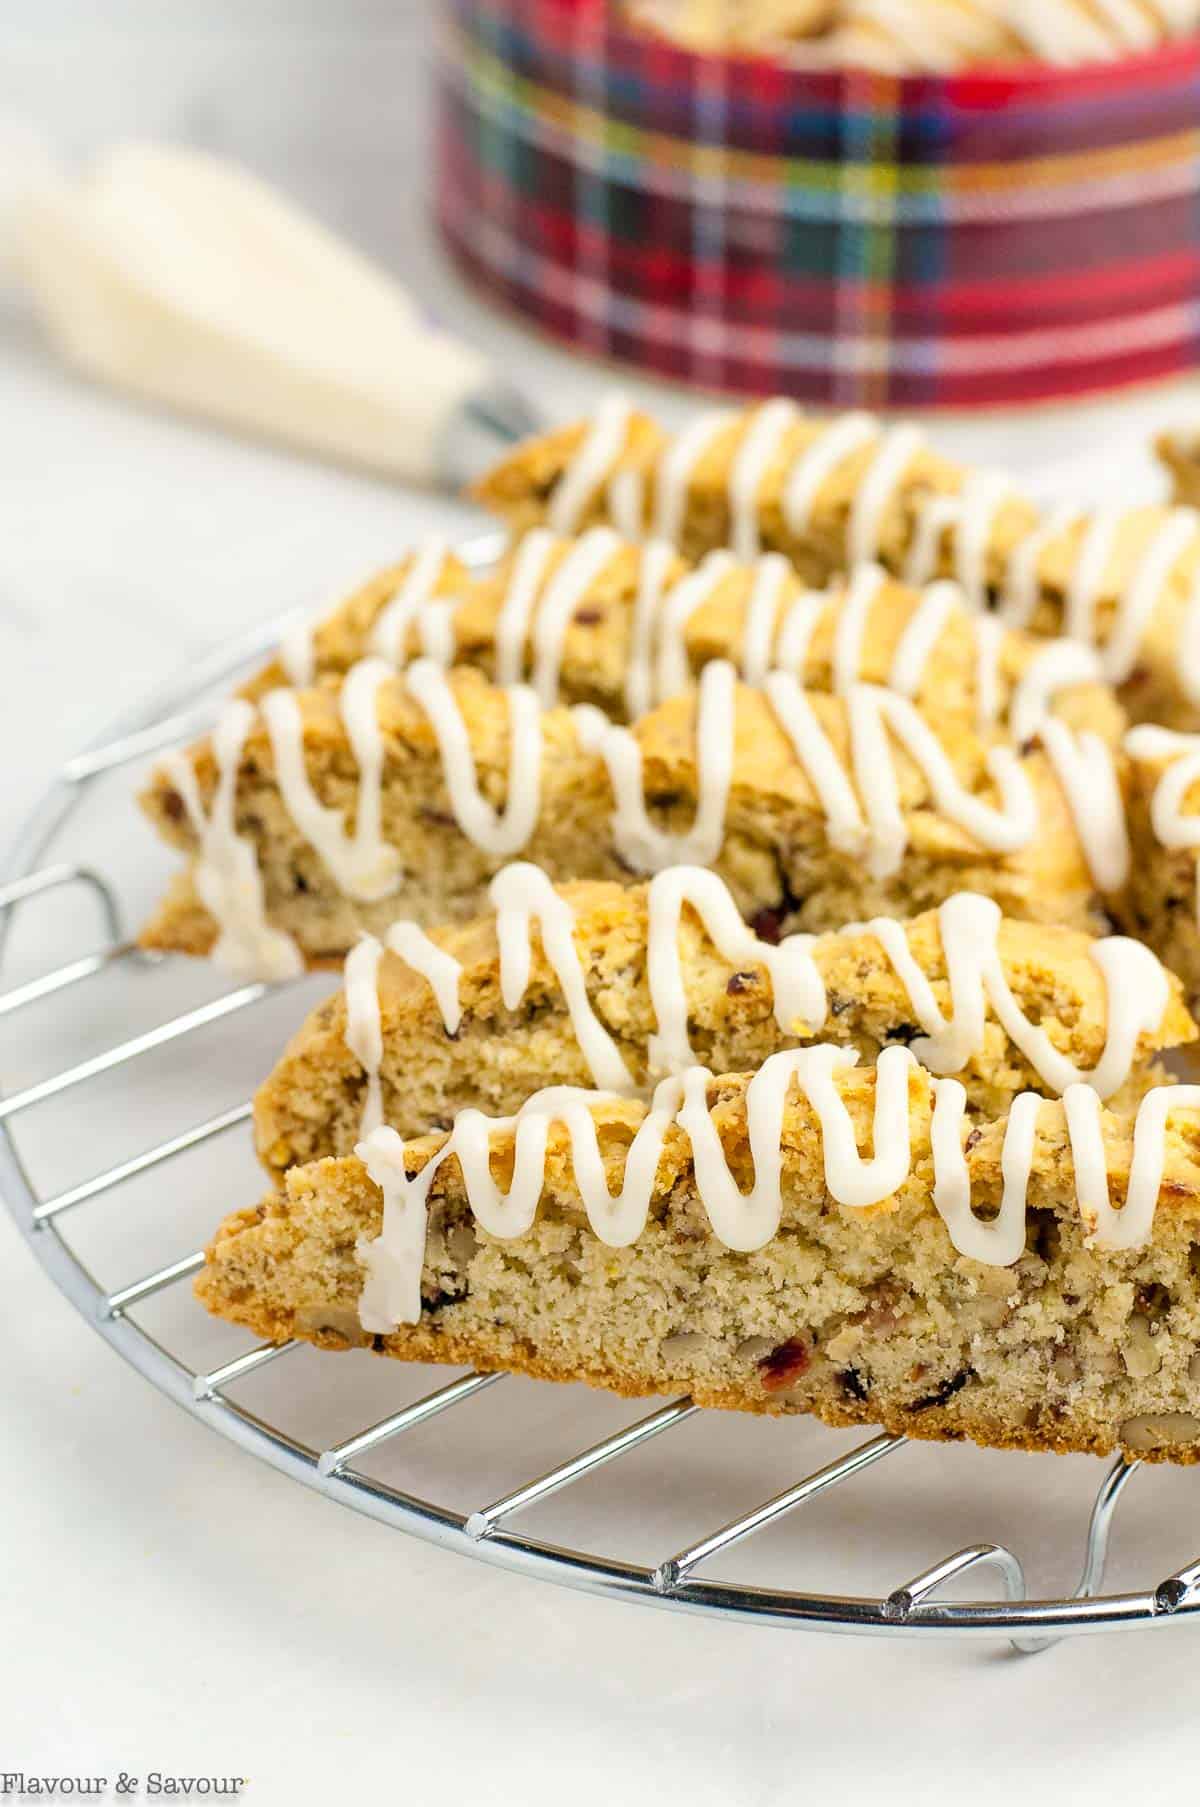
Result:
{"points": [[858, 1316], [494, 1057]]}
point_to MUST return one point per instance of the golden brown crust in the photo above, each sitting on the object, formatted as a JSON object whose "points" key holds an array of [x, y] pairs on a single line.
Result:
{"points": [[312, 1103], [857, 1316], [776, 854]]}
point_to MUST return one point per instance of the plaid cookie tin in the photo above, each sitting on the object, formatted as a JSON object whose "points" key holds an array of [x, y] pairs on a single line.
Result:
{"points": [[999, 236]]}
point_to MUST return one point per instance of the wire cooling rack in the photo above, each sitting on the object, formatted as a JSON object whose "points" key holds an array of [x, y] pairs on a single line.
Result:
{"points": [[109, 1042]]}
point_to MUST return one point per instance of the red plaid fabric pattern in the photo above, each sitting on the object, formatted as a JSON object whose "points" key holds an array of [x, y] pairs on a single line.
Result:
{"points": [[852, 239]]}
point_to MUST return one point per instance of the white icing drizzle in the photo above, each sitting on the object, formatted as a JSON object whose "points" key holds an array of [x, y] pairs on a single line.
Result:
{"points": [[364, 1014], [799, 625], [872, 711], [1130, 1226], [672, 668], [989, 640], [799, 991], [748, 1221], [602, 446], [657, 560], [1173, 826], [983, 495], [897, 449], [771, 576], [364, 1026], [1166, 547], [1083, 765], [556, 605], [922, 631], [769, 426], [523, 895], [1136, 985], [297, 652], [796, 716], [1001, 1242], [839, 441], [676, 468], [1022, 590], [937, 515], [970, 516], [850, 629], [227, 877], [1087, 575], [497, 832], [393, 1261], [362, 864], [640, 842], [512, 623], [565, 592], [409, 607], [1061, 665], [440, 970], [627, 502]]}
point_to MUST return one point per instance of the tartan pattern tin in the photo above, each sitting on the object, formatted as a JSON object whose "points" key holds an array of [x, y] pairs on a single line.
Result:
{"points": [[852, 239]]}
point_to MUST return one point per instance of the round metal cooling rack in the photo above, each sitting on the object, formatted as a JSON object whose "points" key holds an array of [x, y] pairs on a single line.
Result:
{"points": [[42, 865]]}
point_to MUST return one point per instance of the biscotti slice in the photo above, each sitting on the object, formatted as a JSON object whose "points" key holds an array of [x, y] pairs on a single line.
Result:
{"points": [[322, 816], [594, 984], [605, 621], [831, 495], [732, 1242]]}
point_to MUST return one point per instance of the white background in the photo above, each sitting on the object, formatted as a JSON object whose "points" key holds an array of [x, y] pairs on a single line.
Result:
{"points": [[167, 1602]]}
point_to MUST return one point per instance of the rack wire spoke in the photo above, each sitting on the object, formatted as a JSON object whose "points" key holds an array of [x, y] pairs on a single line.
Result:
{"points": [[670, 1574], [37, 884], [482, 1523], [142, 1163], [138, 1045], [114, 1303], [207, 1386], [340, 1455], [51, 878]]}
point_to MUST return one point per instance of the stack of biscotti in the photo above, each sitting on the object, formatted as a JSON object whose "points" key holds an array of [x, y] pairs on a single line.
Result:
{"points": [[883, 831], [728, 1236], [892, 748]]}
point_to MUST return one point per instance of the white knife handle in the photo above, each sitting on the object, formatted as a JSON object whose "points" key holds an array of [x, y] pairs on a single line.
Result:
{"points": [[179, 278]]}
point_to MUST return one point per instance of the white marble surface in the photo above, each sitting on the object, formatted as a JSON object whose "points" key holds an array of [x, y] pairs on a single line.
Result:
{"points": [[170, 1603]]}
